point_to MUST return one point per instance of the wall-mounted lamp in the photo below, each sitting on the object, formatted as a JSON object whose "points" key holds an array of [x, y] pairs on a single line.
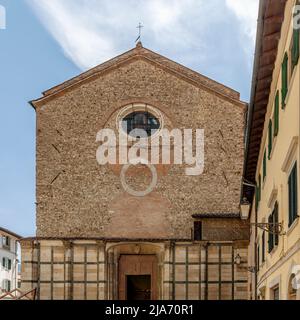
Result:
{"points": [[245, 209]]}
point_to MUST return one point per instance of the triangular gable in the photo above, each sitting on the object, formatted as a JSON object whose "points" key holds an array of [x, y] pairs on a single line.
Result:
{"points": [[139, 52]]}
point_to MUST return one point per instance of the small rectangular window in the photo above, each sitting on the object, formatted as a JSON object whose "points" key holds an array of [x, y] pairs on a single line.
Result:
{"points": [[198, 231], [6, 242]]}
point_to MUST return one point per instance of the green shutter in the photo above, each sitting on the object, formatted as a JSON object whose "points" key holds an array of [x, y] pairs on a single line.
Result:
{"points": [[276, 115], [276, 221], [9, 264], [270, 138], [284, 80], [293, 195], [271, 239], [265, 166], [263, 240], [290, 201], [258, 258], [259, 188], [295, 48]]}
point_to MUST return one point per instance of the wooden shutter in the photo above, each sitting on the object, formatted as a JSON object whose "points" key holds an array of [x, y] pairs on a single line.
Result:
{"points": [[256, 197], [293, 195], [258, 257], [284, 80], [271, 238], [276, 115], [9, 264], [270, 138], [295, 48], [263, 249], [265, 166], [290, 183], [259, 188], [276, 221], [3, 262]]}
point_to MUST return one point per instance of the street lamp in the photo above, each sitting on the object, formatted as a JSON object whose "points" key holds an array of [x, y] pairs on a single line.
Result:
{"points": [[245, 209]]}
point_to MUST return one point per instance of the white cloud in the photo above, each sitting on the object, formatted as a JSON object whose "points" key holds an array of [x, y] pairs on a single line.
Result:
{"points": [[92, 31], [247, 13]]}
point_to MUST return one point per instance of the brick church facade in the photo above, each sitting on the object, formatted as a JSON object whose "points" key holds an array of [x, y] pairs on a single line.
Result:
{"points": [[96, 241]]}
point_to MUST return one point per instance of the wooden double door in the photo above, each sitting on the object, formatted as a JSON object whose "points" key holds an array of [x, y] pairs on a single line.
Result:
{"points": [[138, 276]]}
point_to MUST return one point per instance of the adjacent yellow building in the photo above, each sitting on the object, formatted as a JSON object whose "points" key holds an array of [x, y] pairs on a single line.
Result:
{"points": [[273, 155]]}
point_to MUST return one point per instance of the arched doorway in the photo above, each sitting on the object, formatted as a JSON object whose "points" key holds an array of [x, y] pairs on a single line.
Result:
{"points": [[134, 271]]}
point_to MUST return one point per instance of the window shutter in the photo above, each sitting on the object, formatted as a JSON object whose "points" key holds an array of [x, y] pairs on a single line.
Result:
{"points": [[256, 197], [276, 115], [293, 195], [295, 49], [270, 138], [3, 262], [258, 257], [265, 166], [259, 188], [290, 201], [284, 80], [263, 240], [8, 286], [271, 242], [276, 221]]}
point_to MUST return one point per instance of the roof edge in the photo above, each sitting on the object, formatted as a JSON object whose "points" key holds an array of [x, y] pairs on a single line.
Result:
{"points": [[139, 52], [10, 233]]}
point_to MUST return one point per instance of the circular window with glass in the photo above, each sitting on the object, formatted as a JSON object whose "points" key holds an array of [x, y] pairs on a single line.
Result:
{"points": [[140, 124]]}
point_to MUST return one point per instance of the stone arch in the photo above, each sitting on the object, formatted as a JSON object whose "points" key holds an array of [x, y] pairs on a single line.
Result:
{"points": [[293, 282], [144, 251]]}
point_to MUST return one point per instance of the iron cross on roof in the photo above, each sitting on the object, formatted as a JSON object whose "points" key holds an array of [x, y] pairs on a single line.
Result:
{"points": [[140, 27]]}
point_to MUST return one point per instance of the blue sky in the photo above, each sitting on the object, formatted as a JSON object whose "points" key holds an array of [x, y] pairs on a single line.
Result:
{"points": [[48, 41]]}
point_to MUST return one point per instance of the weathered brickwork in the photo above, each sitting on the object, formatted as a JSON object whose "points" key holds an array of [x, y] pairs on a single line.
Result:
{"points": [[78, 198]]}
